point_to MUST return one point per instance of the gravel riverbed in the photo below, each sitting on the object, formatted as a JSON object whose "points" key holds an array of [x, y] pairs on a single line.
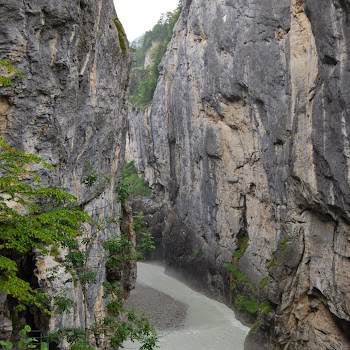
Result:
{"points": [[164, 312]]}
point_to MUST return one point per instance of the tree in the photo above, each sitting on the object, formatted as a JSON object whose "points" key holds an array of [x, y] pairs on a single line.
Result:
{"points": [[32, 217]]}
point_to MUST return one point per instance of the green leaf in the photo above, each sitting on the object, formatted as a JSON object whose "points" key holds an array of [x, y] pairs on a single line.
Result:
{"points": [[30, 340], [22, 333], [22, 344], [6, 344], [27, 328]]}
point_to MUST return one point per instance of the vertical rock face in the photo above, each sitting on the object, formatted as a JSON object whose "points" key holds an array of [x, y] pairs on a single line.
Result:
{"points": [[249, 135], [69, 108]]}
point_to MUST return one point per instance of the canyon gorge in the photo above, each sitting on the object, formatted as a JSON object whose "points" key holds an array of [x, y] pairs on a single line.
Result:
{"points": [[245, 145]]}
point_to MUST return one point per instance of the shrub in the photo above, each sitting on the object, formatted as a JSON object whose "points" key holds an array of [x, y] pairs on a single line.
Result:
{"points": [[250, 305]]}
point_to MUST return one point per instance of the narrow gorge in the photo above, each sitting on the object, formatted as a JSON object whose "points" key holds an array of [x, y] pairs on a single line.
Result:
{"points": [[245, 146], [247, 137]]}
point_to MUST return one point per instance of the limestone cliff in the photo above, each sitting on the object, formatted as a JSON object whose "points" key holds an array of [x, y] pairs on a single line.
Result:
{"points": [[248, 134], [70, 109]]}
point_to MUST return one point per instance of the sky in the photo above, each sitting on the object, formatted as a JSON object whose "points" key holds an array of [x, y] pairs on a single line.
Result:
{"points": [[138, 16]]}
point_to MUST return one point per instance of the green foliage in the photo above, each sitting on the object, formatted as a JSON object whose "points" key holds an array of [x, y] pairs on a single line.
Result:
{"points": [[121, 35], [63, 304], [144, 79], [136, 183], [249, 305], [139, 222], [146, 243], [266, 307], [281, 248], [262, 284], [115, 307], [255, 326], [91, 179], [32, 216], [6, 344], [75, 259], [24, 342], [112, 289], [247, 298], [9, 70], [242, 245], [90, 175], [74, 336], [272, 263], [119, 325], [127, 325], [130, 183], [135, 328], [87, 276], [120, 251], [282, 244], [82, 345], [252, 305], [237, 274]]}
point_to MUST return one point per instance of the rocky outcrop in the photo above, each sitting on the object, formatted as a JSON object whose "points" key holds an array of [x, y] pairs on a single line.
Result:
{"points": [[248, 134], [70, 109]]}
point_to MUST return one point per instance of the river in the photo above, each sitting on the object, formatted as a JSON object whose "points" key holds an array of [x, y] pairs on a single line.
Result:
{"points": [[208, 325]]}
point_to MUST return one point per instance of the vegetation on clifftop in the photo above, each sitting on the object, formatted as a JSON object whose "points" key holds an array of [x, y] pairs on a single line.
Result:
{"points": [[147, 57]]}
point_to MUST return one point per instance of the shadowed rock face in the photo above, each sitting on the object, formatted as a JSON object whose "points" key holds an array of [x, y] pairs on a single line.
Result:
{"points": [[69, 108], [249, 133]]}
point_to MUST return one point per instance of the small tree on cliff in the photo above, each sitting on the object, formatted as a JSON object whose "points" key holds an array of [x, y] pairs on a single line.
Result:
{"points": [[32, 217]]}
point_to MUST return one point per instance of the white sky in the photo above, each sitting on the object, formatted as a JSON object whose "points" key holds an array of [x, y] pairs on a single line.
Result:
{"points": [[138, 16]]}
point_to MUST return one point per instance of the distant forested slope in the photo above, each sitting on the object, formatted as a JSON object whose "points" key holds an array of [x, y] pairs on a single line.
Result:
{"points": [[148, 53]]}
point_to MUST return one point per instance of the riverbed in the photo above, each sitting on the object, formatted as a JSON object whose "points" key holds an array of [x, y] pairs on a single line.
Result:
{"points": [[184, 318]]}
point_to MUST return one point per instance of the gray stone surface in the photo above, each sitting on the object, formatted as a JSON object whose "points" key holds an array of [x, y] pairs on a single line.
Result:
{"points": [[249, 130], [70, 109]]}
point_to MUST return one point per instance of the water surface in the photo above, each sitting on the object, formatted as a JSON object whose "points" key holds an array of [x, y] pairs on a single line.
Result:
{"points": [[209, 325]]}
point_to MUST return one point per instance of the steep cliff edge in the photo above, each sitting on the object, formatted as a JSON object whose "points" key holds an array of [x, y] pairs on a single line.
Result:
{"points": [[248, 135], [70, 109]]}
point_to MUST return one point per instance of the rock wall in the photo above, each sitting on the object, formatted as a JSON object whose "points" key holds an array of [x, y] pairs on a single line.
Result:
{"points": [[248, 135], [70, 109]]}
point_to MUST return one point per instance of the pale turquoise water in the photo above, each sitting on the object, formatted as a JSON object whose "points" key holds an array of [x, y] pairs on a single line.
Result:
{"points": [[209, 325]]}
